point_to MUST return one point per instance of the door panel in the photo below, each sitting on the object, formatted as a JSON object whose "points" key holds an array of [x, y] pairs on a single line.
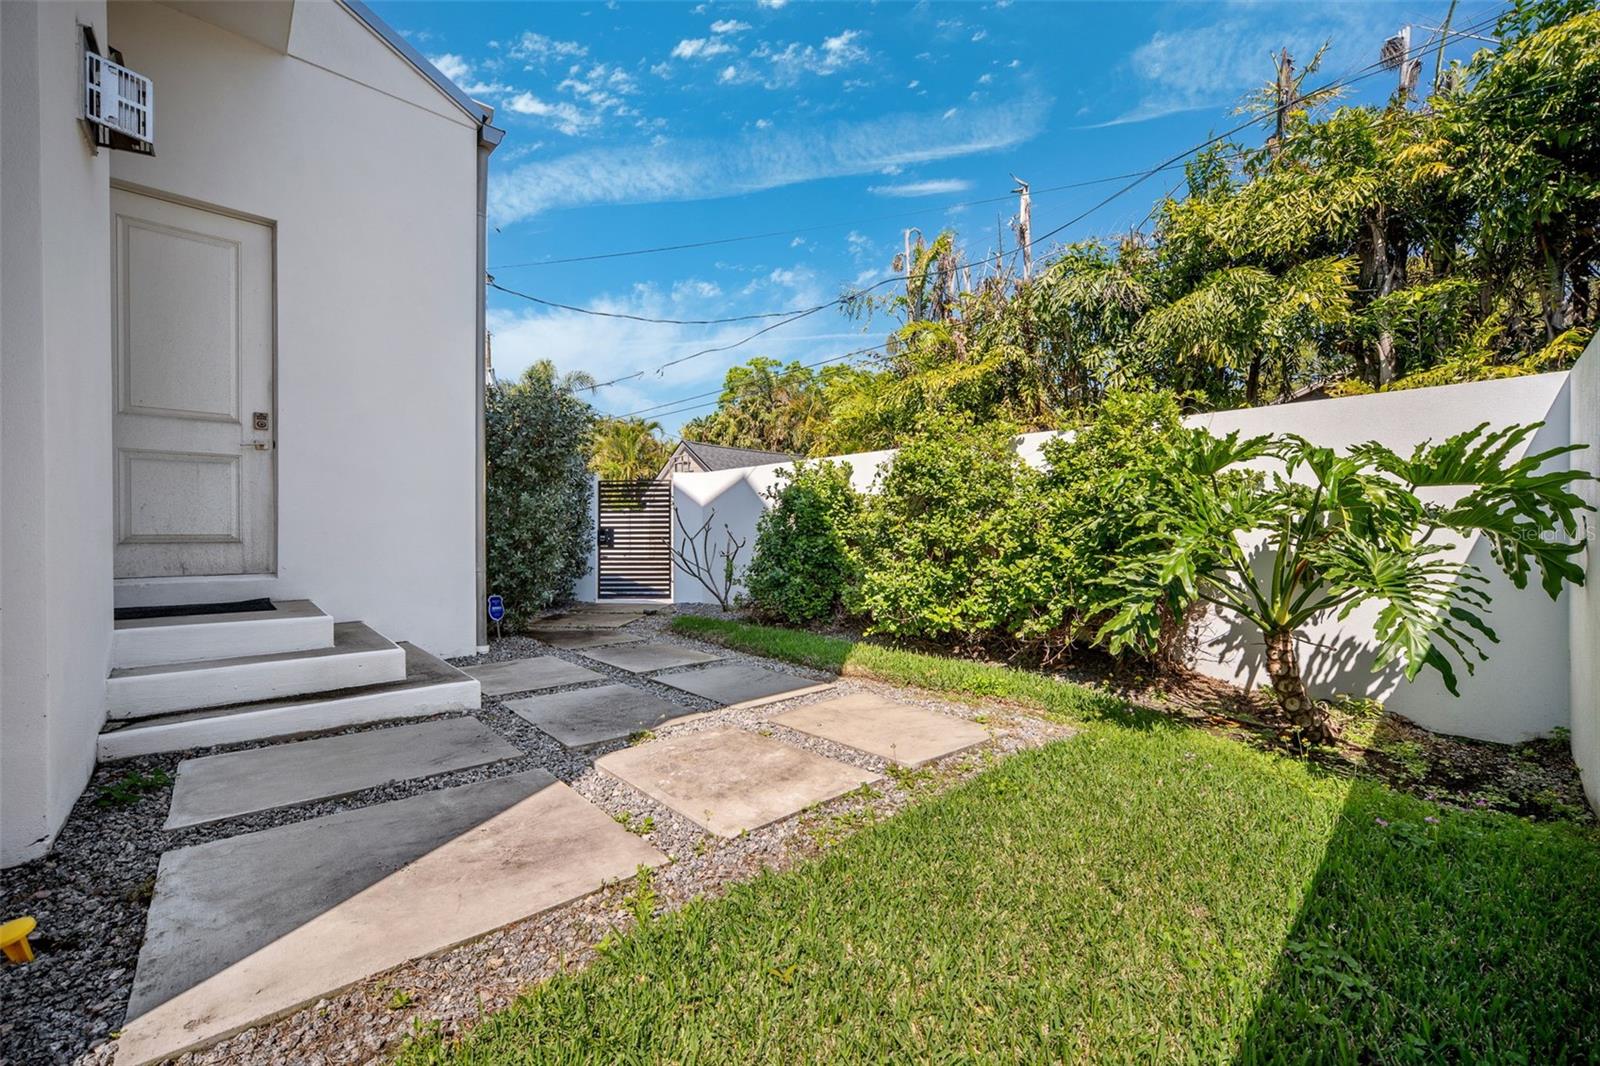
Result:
{"points": [[192, 355]]}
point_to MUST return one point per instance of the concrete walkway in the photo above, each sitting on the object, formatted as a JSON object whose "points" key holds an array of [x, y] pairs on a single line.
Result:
{"points": [[261, 779], [255, 925], [247, 928]]}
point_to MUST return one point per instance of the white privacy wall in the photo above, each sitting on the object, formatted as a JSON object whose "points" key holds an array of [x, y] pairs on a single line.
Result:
{"points": [[1525, 689], [1583, 390], [368, 175]]}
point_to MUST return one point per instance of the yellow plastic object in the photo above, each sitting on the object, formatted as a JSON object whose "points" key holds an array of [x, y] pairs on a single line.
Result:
{"points": [[14, 939]]}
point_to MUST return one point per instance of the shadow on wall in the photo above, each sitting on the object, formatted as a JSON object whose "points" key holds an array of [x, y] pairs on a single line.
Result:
{"points": [[1519, 692]]}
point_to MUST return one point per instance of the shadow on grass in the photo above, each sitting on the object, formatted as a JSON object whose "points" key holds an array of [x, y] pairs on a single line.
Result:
{"points": [[1423, 934], [1431, 935]]}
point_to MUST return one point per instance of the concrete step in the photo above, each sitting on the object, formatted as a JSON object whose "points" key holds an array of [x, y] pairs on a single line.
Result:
{"points": [[294, 625], [359, 656], [430, 686]]}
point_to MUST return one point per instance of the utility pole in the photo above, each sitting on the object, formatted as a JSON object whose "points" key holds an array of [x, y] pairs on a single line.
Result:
{"points": [[1285, 99], [1438, 58], [1024, 225]]}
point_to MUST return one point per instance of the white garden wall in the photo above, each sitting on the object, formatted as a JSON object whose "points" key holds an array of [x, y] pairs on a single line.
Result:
{"points": [[1526, 689], [1583, 391]]}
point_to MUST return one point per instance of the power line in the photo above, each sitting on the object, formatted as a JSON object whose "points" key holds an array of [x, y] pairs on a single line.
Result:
{"points": [[656, 409], [1470, 31], [714, 242], [1139, 177], [646, 318]]}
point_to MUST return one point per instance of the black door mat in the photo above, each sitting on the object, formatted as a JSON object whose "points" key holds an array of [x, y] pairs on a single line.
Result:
{"points": [[131, 614]]}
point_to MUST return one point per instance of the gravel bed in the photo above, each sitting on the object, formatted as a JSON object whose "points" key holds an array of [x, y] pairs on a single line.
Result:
{"points": [[91, 892]]}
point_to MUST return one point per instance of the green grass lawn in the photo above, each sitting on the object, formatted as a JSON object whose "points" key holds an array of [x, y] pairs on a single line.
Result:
{"points": [[1141, 892]]}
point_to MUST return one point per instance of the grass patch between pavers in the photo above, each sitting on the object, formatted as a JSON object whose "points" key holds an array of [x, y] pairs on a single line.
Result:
{"points": [[1142, 892]]}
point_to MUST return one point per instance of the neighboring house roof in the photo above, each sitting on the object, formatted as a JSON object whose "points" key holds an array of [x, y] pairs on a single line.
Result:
{"points": [[721, 457], [480, 113]]}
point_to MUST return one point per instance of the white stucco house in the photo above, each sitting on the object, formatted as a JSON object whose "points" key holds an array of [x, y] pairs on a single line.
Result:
{"points": [[241, 310]]}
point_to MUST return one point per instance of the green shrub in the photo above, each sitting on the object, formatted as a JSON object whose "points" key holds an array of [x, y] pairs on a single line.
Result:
{"points": [[941, 537], [1102, 487], [539, 522], [964, 543], [804, 563]]}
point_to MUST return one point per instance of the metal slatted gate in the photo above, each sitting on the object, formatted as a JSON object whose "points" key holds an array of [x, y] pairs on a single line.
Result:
{"points": [[635, 540]]}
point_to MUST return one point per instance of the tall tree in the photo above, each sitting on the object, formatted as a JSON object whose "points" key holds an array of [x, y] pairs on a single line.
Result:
{"points": [[764, 404], [626, 449]]}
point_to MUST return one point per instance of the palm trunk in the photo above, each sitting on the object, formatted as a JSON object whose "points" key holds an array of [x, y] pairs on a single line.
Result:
{"points": [[1283, 667], [1377, 278]]}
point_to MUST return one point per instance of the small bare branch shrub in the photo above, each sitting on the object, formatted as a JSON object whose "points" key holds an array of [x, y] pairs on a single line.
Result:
{"points": [[713, 565]]}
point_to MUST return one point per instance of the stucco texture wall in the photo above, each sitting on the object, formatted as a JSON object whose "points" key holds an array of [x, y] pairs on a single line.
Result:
{"points": [[368, 175], [1524, 690], [1583, 391], [55, 426]]}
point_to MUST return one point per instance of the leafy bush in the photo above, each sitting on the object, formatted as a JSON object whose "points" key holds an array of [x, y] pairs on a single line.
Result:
{"points": [[1102, 487], [804, 563], [965, 542], [540, 526], [942, 536]]}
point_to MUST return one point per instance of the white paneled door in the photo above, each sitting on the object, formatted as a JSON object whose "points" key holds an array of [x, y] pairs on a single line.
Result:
{"points": [[192, 350]]}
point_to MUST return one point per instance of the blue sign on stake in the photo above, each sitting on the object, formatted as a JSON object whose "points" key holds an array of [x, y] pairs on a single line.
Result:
{"points": [[497, 608]]}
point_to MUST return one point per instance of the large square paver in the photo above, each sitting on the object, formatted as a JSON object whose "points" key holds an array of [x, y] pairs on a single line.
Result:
{"points": [[643, 658], [247, 928], [591, 617], [577, 640], [898, 732], [529, 675], [727, 780], [741, 684], [585, 717], [215, 787]]}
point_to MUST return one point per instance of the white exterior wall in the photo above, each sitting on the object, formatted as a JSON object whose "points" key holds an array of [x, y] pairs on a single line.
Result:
{"points": [[368, 175], [55, 426], [1583, 392], [1524, 690]]}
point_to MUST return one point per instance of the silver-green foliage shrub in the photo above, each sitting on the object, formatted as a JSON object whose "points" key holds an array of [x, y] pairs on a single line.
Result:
{"points": [[538, 510]]}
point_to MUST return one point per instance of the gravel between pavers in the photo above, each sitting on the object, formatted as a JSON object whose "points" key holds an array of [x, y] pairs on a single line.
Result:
{"points": [[91, 892]]}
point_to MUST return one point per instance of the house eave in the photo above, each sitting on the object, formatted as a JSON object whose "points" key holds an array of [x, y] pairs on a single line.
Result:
{"points": [[482, 114]]}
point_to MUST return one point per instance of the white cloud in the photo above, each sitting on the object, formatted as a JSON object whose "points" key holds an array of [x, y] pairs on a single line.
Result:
{"points": [[1214, 65], [696, 170], [610, 348], [452, 66], [772, 5], [729, 26], [564, 116], [985, 79], [913, 83], [537, 48], [932, 187], [980, 35], [602, 86], [763, 123], [792, 62], [701, 48], [949, 114]]}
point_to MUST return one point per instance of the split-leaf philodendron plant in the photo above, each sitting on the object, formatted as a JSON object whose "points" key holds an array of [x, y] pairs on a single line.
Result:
{"points": [[1340, 531]]}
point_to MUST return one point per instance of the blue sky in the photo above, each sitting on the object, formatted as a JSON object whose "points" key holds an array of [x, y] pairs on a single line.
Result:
{"points": [[634, 125]]}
